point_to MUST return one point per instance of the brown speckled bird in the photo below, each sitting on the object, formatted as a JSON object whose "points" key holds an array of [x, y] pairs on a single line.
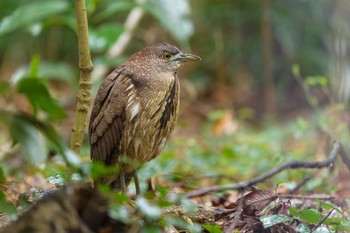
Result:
{"points": [[135, 111]]}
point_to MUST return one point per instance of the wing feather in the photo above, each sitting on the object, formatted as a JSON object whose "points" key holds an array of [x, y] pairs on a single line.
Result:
{"points": [[107, 117]]}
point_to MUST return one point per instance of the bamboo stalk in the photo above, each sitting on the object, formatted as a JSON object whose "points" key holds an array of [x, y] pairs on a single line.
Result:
{"points": [[86, 67]]}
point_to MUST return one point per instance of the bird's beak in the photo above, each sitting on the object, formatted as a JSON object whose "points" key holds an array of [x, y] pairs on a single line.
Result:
{"points": [[183, 57]]}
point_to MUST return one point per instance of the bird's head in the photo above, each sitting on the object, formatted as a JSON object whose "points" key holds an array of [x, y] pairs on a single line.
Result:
{"points": [[164, 57]]}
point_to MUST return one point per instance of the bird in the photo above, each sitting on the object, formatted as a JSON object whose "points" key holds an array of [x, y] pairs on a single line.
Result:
{"points": [[135, 111]]}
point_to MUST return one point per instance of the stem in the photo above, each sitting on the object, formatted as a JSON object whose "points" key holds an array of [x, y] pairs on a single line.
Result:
{"points": [[86, 67]]}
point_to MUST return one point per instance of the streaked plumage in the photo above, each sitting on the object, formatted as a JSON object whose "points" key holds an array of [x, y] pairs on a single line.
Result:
{"points": [[135, 110]]}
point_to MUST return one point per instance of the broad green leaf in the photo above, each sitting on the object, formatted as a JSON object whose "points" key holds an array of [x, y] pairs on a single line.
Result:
{"points": [[343, 226], [6, 206], [103, 37], [310, 216], [303, 228], [174, 17], [212, 228], [335, 220], [328, 206], [50, 71], [38, 95], [270, 220], [294, 212], [29, 139], [30, 13], [113, 8], [28, 132]]}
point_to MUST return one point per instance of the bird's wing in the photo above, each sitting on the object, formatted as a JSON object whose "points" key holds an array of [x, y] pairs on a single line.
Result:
{"points": [[107, 117]]}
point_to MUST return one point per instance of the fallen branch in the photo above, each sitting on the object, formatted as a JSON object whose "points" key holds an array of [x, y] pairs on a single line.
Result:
{"points": [[237, 213], [289, 165], [313, 197]]}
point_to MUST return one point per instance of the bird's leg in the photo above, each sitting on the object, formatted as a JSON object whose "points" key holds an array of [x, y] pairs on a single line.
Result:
{"points": [[122, 179], [137, 183], [122, 161]]}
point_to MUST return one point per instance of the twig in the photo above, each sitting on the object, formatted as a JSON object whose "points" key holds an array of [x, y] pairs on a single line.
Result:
{"points": [[322, 221], [314, 197], [301, 184], [237, 213], [289, 165]]}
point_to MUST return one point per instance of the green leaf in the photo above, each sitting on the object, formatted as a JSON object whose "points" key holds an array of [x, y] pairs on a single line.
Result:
{"points": [[212, 228], [343, 226], [173, 17], [30, 13], [99, 170], [37, 92], [23, 200], [336, 220], [6, 206], [38, 95], [270, 220], [303, 228], [328, 206], [103, 37], [28, 132], [4, 86], [50, 71], [34, 66], [310, 216], [317, 80], [296, 70], [294, 212], [30, 140], [2, 176], [113, 8]]}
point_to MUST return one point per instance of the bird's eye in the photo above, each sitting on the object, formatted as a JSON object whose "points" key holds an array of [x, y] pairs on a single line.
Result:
{"points": [[166, 56]]}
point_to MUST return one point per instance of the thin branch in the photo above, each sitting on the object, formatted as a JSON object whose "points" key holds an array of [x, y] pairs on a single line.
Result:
{"points": [[86, 67], [237, 213], [322, 221], [313, 197], [301, 184], [289, 165]]}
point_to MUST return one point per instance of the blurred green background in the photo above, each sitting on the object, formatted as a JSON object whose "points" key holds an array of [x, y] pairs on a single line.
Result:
{"points": [[274, 83]]}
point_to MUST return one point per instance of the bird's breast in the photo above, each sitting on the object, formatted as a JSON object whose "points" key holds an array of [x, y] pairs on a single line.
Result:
{"points": [[151, 114]]}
